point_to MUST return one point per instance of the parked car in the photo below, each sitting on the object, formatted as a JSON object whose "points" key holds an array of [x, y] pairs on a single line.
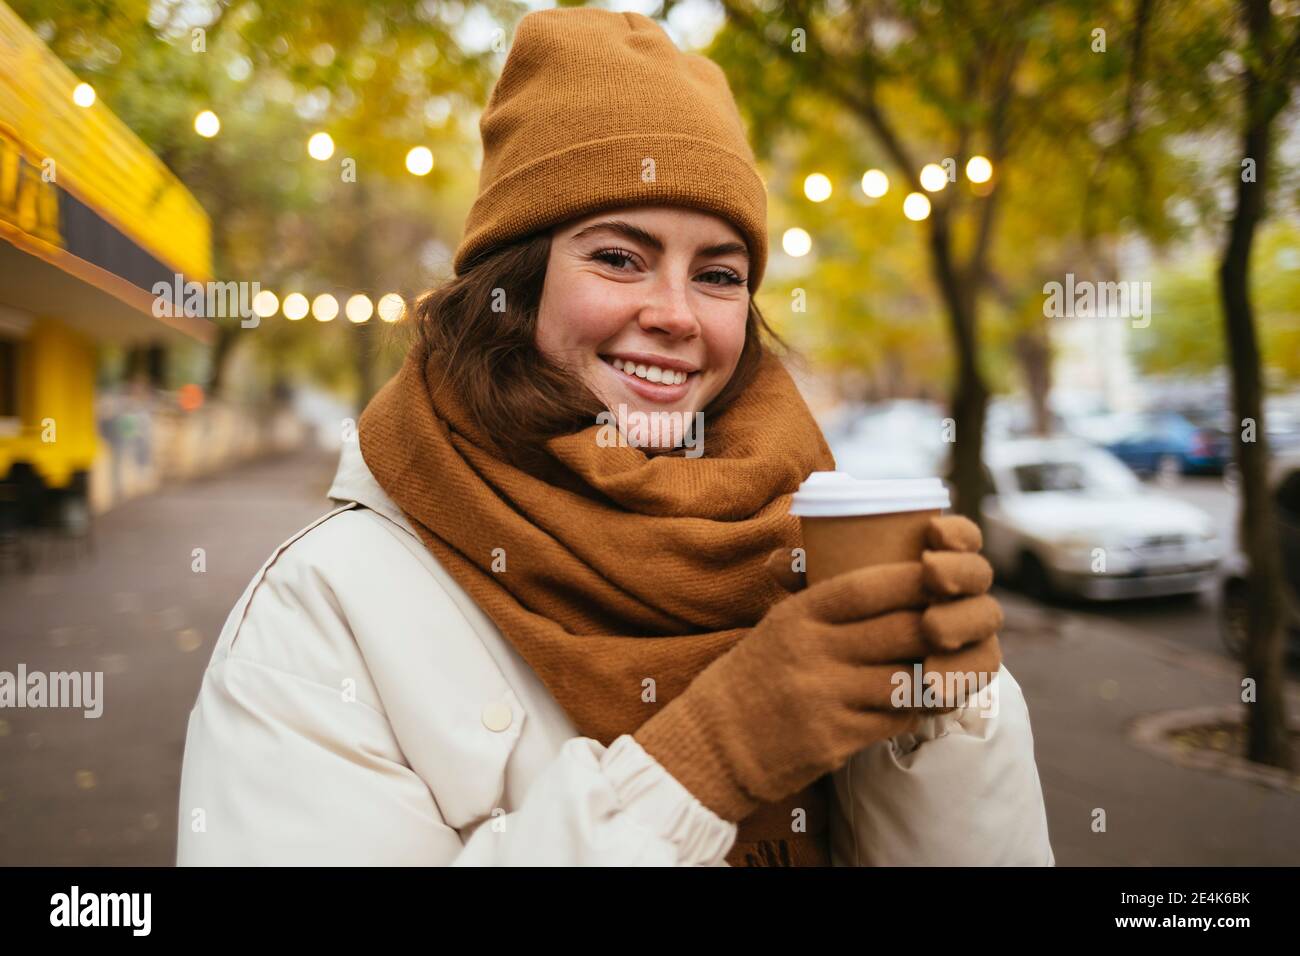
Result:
{"points": [[1284, 484], [1066, 517], [1169, 443]]}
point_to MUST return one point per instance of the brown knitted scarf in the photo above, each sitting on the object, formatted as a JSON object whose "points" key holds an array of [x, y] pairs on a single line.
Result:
{"points": [[620, 583]]}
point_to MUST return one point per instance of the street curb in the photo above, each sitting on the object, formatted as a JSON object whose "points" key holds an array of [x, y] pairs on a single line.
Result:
{"points": [[1023, 620], [1151, 732]]}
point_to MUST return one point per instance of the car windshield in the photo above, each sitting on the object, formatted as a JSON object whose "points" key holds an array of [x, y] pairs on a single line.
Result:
{"points": [[1051, 476], [1094, 473]]}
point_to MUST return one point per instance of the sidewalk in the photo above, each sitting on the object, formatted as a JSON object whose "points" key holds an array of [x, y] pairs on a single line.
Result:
{"points": [[1086, 681], [76, 791]]}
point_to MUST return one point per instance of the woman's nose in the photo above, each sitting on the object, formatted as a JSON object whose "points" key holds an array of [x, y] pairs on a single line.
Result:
{"points": [[669, 310]]}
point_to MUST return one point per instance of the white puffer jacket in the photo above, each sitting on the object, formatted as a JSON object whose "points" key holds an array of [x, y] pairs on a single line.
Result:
{"points": [[359, 708]]}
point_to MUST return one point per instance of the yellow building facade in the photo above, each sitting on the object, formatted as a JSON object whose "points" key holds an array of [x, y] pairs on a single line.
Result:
{"points": [[90, 220]]}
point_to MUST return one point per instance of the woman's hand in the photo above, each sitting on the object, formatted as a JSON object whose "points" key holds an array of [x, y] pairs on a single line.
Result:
{"points": [[945, 533], [816, 680]]}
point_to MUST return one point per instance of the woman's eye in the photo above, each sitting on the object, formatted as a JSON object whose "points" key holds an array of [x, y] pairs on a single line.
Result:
{"points": [[721, 277], [619, 259], [614, 257]]}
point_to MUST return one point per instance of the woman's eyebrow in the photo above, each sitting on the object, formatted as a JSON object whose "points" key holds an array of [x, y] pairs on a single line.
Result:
{"points": [[637, 234]]}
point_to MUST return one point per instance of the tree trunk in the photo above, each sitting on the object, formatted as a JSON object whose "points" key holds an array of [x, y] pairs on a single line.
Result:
{"points": [[969, 396], [360, 274], [1268, 740], [1035, 357], [222, 347], [363, 350]]}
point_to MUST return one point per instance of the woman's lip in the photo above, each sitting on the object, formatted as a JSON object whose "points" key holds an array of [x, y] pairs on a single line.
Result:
{"points": [[652, 391]]}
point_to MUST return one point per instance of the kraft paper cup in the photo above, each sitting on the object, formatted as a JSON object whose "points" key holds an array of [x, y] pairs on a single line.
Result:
{"points": [[852, 522]]}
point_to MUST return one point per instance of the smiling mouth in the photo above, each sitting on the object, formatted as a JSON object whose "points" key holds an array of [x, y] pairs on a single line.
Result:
{"points": [[649, 374]]}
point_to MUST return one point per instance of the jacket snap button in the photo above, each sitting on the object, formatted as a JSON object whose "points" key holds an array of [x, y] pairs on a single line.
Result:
{"points": [[497, 716]]}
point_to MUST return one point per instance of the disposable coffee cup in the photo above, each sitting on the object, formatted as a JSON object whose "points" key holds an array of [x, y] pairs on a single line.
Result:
{"points": [[853, 523]]}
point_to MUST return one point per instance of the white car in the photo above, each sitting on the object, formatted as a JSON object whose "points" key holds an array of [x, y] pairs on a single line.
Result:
{"points": [[1067, 517]]}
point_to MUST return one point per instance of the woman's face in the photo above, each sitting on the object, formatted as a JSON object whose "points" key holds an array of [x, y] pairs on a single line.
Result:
{"points": [[647, 305]]}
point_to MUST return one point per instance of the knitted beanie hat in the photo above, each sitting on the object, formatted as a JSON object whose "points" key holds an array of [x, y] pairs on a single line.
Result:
{"points": [[596, 109]]}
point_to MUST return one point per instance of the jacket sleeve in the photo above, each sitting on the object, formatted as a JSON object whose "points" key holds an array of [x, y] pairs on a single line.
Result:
{"points": [[961, 791], [278, 771], [282, 767], [597, 806]]}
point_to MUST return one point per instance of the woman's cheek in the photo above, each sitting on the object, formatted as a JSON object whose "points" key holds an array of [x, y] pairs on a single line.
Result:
{"points": [[598, 312], [729, 339]]}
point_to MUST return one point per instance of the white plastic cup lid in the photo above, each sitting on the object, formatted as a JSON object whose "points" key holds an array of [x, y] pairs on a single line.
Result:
{"points": [[831, 494]]}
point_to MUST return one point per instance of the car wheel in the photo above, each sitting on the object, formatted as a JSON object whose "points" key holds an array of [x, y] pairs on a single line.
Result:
{"points": [[1234, 616], [1033, 578]]}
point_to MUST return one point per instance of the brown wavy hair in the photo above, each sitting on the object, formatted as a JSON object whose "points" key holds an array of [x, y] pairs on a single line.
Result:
{"points": [[516, 395]]}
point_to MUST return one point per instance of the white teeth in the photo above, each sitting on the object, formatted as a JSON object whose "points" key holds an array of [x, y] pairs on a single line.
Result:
{"points": [[651, 373]]}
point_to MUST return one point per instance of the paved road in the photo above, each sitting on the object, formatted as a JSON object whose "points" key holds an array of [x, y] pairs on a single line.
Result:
{"points": [[75, 790], [1088, 682]]}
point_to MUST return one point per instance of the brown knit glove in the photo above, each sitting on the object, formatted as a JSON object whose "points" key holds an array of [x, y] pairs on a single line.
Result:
{"points": [[945, 533], [812, 684]]}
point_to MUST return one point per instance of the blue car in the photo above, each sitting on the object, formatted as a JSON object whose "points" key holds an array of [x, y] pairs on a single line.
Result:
{"points": [[1168, 443]]}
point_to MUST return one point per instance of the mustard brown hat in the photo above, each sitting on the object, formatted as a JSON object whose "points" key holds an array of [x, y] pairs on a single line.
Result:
{"points": [[596, 109]]}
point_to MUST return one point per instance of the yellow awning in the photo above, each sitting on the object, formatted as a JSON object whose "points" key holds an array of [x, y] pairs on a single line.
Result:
{"points": [[96, 158]]}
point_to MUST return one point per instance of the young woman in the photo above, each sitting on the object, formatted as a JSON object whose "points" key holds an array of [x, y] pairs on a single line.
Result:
{"points": [[519, 642]]}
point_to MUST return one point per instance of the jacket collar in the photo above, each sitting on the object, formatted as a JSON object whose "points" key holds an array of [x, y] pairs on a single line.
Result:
{"points": [[353, 482]]}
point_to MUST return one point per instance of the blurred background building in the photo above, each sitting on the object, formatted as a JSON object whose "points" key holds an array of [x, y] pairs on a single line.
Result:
{"points": [[90, 219]]}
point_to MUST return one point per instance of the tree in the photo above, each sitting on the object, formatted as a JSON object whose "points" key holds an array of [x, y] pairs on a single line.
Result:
{"points": [[1270, 63], [1023, 84]]}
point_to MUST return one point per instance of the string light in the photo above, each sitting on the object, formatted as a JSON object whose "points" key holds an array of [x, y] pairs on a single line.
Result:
{"points": [[320, 146], [916, 206], [796, 242], [325, 307], [817, 187], [206, 124], [359, 308], [391, 307], [933, 178], [419, 161], [979, 169], [295, 306], [875, 183], [265, 304]]}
